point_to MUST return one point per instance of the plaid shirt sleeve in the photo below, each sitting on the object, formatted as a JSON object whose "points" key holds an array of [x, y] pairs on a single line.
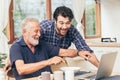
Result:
{"points": [[45, 27], [45, 24], [79, 41]]}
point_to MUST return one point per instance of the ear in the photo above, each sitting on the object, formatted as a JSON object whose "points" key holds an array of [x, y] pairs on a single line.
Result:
{"points": [[55, 21], [23, 31]]}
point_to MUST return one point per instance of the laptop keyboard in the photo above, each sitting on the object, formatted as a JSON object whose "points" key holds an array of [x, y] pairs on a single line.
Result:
{"points": [[91, 76], [83, 75]]}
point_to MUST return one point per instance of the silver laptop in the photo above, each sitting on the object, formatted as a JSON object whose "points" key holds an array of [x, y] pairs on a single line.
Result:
{"points": [[105, 67]]}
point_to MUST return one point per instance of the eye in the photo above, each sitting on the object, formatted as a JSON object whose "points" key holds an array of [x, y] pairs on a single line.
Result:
{"points": [[68, 23], [61, 23], [36, 31]]}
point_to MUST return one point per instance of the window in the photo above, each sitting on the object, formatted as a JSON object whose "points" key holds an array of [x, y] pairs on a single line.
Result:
{"points": [[27, 8], [19, 9], [92, 19]]}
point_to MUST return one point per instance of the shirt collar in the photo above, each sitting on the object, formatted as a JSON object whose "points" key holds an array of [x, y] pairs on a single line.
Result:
{"points": [[21, 41]]}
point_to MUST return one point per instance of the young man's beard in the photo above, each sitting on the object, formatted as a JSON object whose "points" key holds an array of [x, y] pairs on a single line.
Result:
{"points": [[33, 41], [59, 32]]}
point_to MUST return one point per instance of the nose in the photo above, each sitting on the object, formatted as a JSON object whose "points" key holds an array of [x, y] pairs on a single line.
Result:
{"points": [[64, 26], [39, 34]]}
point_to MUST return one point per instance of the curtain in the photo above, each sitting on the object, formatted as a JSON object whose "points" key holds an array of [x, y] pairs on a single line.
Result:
{"points": [[4, 9], [78, 10]]}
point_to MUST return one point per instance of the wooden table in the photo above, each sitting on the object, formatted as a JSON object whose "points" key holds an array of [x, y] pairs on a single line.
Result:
{"points": [[34, 78], [113, 74]]}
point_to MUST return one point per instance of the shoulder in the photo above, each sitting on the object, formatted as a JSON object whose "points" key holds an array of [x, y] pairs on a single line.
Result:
{"points": [[46, 22], [18, 43], [15, 48], [47, 25], [72, 27], [72, 30]]}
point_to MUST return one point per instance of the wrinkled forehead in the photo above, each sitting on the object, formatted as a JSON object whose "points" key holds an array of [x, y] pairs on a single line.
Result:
{"points": [[33, 26]]}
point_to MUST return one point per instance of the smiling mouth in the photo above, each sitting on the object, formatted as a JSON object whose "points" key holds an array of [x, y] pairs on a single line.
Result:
{"points": [[64, 30], [36, 38]]}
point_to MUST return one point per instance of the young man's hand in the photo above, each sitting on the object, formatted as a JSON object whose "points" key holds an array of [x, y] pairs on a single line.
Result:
{"points": [[89, 57]]}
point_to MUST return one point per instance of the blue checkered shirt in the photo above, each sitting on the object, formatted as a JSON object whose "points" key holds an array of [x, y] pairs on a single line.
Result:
{"points": [[48, 34]]}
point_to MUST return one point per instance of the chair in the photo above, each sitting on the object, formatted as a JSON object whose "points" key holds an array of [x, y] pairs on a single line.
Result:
{"points": [[9, 75]]}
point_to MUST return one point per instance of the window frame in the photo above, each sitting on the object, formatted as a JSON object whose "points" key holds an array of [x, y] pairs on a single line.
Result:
{"points": [[10, 27], [98, 23]]}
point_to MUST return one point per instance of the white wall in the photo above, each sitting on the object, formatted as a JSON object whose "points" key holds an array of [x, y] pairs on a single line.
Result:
{"points": [[110, 18]]}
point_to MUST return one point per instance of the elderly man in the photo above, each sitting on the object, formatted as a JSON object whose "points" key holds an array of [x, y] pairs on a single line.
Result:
{"points": [[29, 57]]}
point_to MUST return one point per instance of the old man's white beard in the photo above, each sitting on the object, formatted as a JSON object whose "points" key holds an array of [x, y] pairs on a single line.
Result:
{"points": [[33, 41]]}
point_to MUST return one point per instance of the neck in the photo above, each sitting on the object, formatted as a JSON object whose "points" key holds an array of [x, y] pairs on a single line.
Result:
{"points": [[58, 34], [32, 48]]}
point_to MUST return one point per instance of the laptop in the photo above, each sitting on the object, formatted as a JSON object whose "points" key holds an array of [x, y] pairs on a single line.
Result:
{"points": [[104, 70]]}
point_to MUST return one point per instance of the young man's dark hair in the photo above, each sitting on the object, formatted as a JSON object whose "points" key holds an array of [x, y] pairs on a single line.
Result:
{"points": [[64, 11]]}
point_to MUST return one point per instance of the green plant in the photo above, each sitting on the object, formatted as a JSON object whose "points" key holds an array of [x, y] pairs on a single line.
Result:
{"points": [[3, 57]]}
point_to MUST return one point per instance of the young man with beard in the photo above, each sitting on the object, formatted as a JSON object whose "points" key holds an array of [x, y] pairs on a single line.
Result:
{"points": [[60, 32], [29, 57]]}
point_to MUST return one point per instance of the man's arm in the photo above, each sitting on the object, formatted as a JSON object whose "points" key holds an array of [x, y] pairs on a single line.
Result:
{"points": [[23, 68], [91, 57], [72, 53], [84, 54], [68, 52], [85, 51]]}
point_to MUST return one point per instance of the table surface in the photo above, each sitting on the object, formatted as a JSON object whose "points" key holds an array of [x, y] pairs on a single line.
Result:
{"points": [[114, 76]]}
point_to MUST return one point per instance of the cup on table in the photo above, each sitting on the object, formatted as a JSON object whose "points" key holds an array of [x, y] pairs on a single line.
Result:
{"points": [[58, 75], [69, 75], [45, 75]]}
